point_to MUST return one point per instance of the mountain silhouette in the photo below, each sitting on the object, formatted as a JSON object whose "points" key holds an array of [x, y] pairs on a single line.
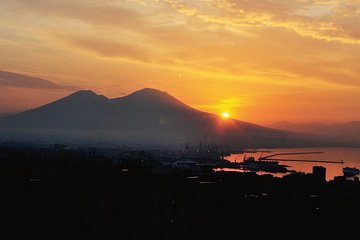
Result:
{"points": [[348, 132], [145, 117]]}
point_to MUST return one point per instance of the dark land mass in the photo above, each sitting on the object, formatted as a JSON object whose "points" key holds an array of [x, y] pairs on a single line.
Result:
{"points": [[348, 132], [59, 193], [147, 117], [5, 114]]}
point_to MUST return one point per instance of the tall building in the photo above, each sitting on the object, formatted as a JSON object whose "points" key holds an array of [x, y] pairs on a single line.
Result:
{"points": [[319, 173]]}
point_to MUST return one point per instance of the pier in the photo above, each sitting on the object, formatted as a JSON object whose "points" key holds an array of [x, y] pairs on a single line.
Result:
{"points": [[269, 158]]}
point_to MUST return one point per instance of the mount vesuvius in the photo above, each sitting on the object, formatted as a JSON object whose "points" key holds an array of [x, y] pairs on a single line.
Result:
{"points": [[145, 117]]}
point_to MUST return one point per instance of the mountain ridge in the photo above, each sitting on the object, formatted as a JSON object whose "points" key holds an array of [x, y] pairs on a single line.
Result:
{"points": [[349, 132], [147, 116]]}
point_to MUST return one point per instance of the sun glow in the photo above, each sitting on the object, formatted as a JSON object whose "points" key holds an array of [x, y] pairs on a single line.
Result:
{"points": [[225, 115]]}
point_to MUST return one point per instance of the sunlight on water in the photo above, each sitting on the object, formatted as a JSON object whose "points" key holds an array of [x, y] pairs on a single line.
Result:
{"points": [[350, 156]]}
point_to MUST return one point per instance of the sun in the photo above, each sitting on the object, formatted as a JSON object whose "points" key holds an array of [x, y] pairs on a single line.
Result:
{"points": [[225, 115]]}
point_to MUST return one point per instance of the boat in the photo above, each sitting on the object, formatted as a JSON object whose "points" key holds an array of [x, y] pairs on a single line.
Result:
{"points": [[351, 171], [296, 173], [250, 163]]}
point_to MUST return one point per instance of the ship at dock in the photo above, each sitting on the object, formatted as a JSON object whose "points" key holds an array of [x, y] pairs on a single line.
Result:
{"points": [[252, 164], [351, 171]]}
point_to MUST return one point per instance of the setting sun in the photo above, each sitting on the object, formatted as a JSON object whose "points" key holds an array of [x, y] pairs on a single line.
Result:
{"points": [[225, 115]]}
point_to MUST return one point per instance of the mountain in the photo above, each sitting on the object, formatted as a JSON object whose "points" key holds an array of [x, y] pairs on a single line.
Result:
{"points": [[4, 114], [348, 132], [145, 117]]}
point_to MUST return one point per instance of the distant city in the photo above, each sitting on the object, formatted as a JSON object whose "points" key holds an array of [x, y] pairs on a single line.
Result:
{"points": [[130, 193]]}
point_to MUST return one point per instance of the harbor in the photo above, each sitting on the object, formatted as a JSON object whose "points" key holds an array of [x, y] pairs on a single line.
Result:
{"points": [[333, 159]]}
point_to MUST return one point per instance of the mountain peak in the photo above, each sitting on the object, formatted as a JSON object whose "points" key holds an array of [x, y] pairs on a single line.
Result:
{"points": [[150, 97], [149, 92], [84, 93]]}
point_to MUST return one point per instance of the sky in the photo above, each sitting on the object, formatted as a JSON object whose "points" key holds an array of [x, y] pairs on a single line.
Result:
{"points": [[262, 61]]}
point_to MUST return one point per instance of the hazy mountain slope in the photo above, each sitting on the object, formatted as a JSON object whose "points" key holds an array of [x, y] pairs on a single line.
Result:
{"points": [[147, 116], [346, 132]]}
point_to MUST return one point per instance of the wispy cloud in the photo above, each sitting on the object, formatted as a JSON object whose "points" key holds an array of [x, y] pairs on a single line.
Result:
{"points": [[90, 11], [108, 48], [10, 79], [316, 19], [227, 105]]}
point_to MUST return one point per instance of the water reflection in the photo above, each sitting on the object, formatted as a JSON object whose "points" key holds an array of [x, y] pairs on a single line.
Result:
{"points": [[350, 157]]}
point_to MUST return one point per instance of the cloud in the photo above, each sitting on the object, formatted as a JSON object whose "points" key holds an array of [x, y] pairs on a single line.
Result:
{"points": [[107, 48], [10, 79], [93, 12], [229, 104], [324, 20]]}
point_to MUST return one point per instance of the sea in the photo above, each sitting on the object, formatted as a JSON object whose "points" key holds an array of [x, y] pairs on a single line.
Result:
{"points": [[349, 156]]}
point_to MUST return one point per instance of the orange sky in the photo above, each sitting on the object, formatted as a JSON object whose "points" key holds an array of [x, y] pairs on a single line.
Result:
{"points": [[260, 60]]}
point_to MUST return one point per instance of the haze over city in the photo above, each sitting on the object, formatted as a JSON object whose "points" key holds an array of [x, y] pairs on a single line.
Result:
{"points": [[259, 61]]}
